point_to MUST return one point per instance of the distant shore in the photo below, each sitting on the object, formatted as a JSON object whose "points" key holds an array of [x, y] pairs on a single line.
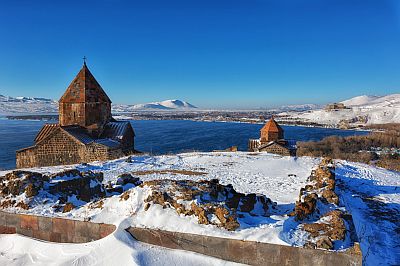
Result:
{"points": [[253, 117]]}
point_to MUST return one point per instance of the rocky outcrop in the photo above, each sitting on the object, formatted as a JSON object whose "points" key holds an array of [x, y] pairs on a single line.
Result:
{"points": [[324, 233], [317, 208], [60, 187], [17, 182], [212, 202], [86, 186]]}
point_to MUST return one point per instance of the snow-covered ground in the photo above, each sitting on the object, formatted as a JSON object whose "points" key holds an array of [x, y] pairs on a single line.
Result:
{"points": [[362, 110], [372, 195], [279, 178]]}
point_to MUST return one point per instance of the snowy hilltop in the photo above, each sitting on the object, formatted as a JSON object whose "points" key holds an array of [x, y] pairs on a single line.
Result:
{"points": [[11, 105], [164, 105], [357, 111]]}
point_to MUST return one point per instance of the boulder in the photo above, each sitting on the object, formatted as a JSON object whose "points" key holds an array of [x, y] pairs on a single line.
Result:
{"points": [[324, 243]]}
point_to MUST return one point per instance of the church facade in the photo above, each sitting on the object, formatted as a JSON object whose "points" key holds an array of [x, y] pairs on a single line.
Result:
{"points": [[86, 131], [272, 140]]}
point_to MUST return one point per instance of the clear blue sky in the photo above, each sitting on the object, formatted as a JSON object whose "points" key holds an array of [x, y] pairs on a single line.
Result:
{"points": [[212, 53]]}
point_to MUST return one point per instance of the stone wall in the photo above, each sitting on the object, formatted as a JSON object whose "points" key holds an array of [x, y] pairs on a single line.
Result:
{"points": [[26, 157], [248, 252], [277, 149], [53, 229], [61, 148]]}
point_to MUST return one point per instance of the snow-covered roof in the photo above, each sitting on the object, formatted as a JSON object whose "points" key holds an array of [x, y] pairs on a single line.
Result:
{"points": [[115, 130], [79, 134], [108, 142]]}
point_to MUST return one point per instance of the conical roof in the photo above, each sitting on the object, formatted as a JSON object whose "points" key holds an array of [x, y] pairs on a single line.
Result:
{"points": [[84, 89], [272, 126]]}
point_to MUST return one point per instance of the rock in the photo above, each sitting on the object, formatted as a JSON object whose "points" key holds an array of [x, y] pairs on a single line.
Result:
{"points": [[125, 195], [22, 205], [327, 161], [68, 207], [331, 229], [221, 213], [97, 205], [330, 196], [324, 243], [7, 203], [128, 179], [247, 203], [206, 197], [307, 207], [116, 189], [85, 185], [337, 226], [231, 223], [310, 245], [200, 213], [30, 191]]}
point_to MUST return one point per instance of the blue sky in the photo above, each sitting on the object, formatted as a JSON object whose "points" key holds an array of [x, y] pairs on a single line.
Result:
{"points": [[218, 54]]}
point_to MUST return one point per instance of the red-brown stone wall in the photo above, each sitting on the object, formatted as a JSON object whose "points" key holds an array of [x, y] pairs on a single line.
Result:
{"points": [[247, 252], [72, 114], [60, 148], [97, 113], [53, 229], [26, 158]]}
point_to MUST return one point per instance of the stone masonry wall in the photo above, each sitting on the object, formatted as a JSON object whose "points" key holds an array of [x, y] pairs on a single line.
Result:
{"points": [[277, 149], [26, 158], [59, 149], [53, 229], [248, 252]]}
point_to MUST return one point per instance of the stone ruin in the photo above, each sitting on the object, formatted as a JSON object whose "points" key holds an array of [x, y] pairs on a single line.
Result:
{"points": [[212, 202], [318, 211], [60, 187]]}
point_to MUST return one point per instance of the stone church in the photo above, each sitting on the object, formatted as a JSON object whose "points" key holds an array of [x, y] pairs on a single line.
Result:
{"points": [[272, 140], [86, 131]]}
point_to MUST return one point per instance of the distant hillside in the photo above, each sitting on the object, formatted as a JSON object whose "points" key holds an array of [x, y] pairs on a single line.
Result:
{"points": [[362, 110], [28, 105], [299, 107], [164, 105]]}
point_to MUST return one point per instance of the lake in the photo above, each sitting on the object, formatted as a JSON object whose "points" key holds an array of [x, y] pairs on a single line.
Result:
{"points": [[165, 136]]}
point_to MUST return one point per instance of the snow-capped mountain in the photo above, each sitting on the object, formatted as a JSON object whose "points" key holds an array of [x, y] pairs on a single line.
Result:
{"points": [[360, 110], [299, 107], [164, 105], [11, 105]]}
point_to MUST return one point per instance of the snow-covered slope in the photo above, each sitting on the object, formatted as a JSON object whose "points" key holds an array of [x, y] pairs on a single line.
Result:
{"points": [[359, 100], [164, 105], [362, 110], [10, 105], [276, 177]]}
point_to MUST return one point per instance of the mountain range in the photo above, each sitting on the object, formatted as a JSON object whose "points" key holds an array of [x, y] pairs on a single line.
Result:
{"points": [[28, 105], [164, 105]]}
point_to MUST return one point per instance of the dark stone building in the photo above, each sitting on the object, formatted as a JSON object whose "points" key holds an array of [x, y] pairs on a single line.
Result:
{"points": [[272, 140], [86, 130]]}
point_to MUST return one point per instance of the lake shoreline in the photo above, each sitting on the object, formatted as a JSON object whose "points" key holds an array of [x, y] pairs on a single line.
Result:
{"points": [[54, 119]]}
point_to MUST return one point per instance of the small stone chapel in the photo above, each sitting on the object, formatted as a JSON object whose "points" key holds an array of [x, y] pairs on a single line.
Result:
{"points": [[272, 140]]}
